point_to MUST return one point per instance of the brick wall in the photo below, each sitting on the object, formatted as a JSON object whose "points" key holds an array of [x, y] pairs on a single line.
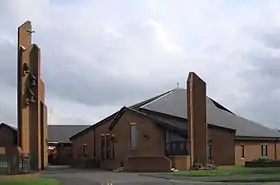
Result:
{"points": [[150, 141], [8, 137], [252, 150], [222, 141], [87, 139], [180, 162]]}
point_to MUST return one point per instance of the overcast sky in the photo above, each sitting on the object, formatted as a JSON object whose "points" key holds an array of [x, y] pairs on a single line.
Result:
{"points": [[100, 55]]}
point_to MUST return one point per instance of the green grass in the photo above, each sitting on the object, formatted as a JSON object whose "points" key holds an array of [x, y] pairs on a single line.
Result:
{"points": [[267, 178], [30, 181], [227, 174], [227, 171]]}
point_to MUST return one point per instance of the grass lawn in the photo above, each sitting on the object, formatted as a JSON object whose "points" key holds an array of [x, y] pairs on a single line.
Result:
{"points": [[29, 181], [227, 174], [228, 171]]}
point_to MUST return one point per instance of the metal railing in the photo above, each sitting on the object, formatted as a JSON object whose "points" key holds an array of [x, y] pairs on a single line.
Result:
{"points": [[14, 164]]}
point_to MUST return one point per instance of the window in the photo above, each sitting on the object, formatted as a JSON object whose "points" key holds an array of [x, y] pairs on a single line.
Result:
{"points": [[175, 144], [264, 149], [84, 149], [108, 149], [133, 135], [113, 146], [102, 146], [209, 148], [242, 151]]}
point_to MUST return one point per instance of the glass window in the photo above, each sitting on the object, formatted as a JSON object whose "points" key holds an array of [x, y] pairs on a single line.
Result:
{"points": [[113, 146], [264, 149], [84, 149], [108, 149], [133, 135], [182, 146], [102, 146], [167, 146], [209, 147], [175, 144], [242, 151]]}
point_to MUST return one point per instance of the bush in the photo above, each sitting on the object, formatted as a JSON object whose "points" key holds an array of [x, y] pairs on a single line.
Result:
{"points": [[263, 159]]}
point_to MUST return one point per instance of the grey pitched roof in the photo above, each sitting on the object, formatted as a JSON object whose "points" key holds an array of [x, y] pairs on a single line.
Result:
{"points": [[62, 133], [58, 133], [174, 103]]}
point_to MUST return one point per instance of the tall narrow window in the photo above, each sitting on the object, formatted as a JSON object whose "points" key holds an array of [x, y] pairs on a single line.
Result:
{"points": [[113, 146], [108, 151], [133, 135], [209, 150], [84, 149], [242, 151], [102, 146], [264, 149]]}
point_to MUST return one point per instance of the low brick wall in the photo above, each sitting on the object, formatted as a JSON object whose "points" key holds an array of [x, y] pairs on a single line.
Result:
{"points": [[20, 176], [147, 164], [180, 162], [2, 150], [262, 164]]}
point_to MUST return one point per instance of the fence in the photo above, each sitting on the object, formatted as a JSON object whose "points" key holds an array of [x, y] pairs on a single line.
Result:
{"points": [[14, 164]]}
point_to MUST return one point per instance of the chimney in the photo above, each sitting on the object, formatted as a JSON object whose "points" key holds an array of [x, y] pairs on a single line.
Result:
{"points": [[197, 126]]}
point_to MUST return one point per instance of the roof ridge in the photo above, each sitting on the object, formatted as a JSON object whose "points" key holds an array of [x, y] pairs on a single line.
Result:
{"points": [[157, 98]]}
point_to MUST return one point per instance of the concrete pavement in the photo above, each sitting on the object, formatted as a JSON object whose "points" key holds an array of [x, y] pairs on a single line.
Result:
{"points": [[97, 177]]}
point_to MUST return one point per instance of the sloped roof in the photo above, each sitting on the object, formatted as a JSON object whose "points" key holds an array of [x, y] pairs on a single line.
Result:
{"points": [[62, 133], [8, 126], [58, 133], [161, 122], [112, 116], [174, 103]]}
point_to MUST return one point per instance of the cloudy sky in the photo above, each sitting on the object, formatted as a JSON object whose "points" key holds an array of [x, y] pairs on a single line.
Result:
{"points": [[100, 55]]}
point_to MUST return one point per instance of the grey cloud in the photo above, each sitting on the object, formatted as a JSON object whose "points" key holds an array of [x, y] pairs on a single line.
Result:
{"points": [[7, 63], [91, 86], [263, 83], [272, 38], [82, 61]]}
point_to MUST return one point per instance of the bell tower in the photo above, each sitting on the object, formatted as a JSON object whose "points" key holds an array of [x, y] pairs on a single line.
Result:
{"points": [[31, 108]]}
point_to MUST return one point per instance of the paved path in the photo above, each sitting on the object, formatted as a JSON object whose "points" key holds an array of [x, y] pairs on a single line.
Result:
{"points": [[93, 177]]}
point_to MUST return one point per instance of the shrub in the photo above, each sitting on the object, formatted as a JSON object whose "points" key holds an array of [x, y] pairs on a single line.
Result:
{"points": [[263, 159]]}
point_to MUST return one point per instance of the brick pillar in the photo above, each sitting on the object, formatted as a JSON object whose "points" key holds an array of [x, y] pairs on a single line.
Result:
{"points": [[24, 42], [35, 108], [197, 126], [45, 131]]}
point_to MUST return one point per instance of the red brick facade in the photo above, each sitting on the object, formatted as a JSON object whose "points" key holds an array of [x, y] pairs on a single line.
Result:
{"points": [[247, 150], [222, 143], [197, 126], [205, 142]]}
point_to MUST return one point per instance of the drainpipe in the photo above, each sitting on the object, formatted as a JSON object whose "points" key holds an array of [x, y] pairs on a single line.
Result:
{"points": [[275, 148]]}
